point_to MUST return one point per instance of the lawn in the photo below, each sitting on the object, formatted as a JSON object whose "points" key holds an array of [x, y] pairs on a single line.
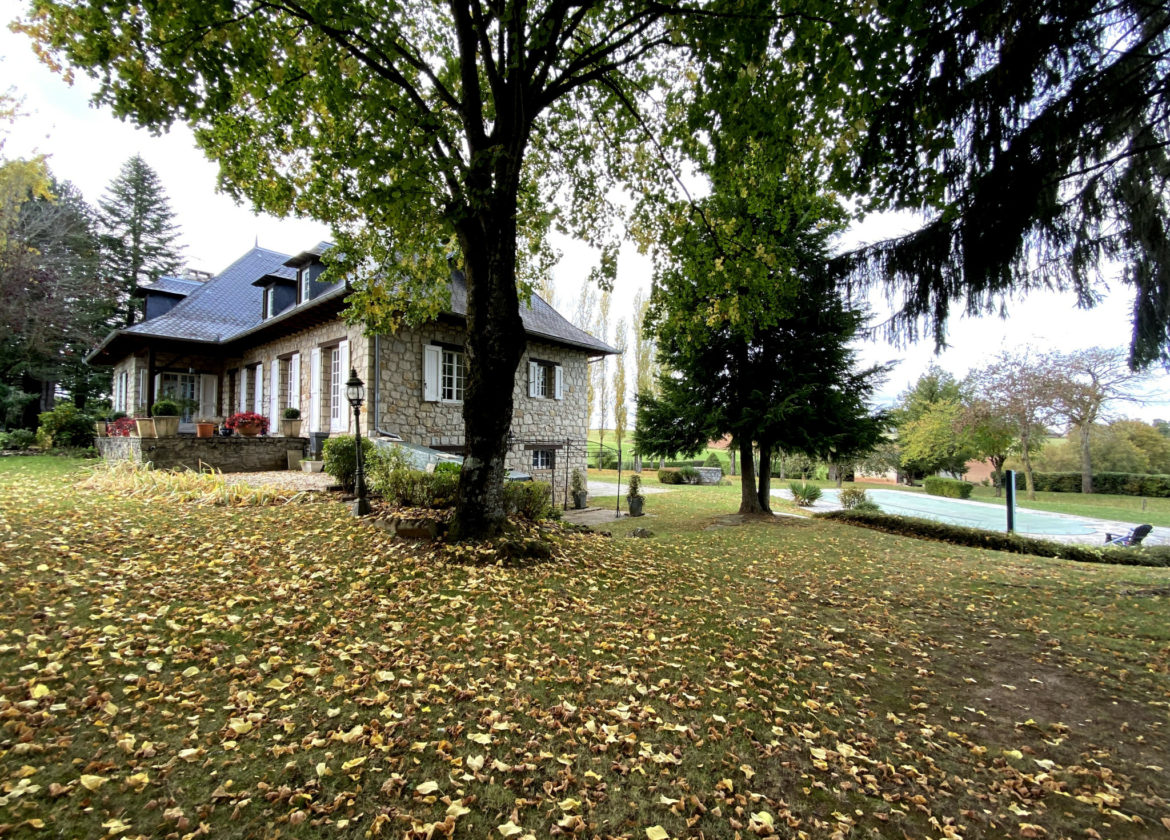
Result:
{"points": [[177, 670]]}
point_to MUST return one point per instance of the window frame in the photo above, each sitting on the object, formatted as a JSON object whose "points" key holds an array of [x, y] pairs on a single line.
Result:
{"points": [[457, 387], [543, 455]]}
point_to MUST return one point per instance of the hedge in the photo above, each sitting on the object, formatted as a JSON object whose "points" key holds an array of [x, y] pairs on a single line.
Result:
{"points": [[1114, 483], [952, 488], [1154, 555]]}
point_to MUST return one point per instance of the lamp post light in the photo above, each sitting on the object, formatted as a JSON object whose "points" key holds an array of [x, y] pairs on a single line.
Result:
{"points": [[355, 392]]}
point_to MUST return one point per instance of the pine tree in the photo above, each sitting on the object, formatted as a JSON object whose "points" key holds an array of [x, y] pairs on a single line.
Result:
{"points": [[138, 232]]}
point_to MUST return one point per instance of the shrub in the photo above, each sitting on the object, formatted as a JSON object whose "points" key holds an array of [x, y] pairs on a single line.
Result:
{"points": [[634, 491], [165, 408], [415, 488], [998, 541], [577, 482], [689, 475], [1113, 483], [868, 506], [65, 426], [713, 460], [669, 475], [606, 460], [952, 488], [17, 439], [532, 500], [804, 494], [340, 462], [452, 467], [851, 497], [291, 413]]}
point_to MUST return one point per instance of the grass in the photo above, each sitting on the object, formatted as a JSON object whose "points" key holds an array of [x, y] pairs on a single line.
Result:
{"points": [[273, 669]]}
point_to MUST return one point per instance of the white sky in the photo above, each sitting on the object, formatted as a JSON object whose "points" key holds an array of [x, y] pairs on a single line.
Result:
{"points": [[87, 146]]}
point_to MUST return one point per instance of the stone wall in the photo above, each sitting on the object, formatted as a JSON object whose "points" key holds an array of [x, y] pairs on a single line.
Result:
{"points": [[226, 454]]}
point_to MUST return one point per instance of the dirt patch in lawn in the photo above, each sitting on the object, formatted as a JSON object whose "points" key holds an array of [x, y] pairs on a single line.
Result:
{"points": [[733, 520]]}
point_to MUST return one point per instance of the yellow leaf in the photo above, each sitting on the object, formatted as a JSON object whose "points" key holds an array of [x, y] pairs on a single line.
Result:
{"points": [[352, 735], [138, 781], [482, 738], [456, 809], [656, 832], [240, 726], [663, 799], [1016, 754], [110, 709], [763, 818], [35, 823], [475, 763], [40, 690], [355, 762], [190, 672], [115, 826], [747, 770], [93, 782], [569, 804], [427, 788], [190, 754], [509, 829], [275, 683]]}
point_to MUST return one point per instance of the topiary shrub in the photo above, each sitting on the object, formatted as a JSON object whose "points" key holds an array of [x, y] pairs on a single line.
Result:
{"points": [[713, 460], [165, 408], [65, 425], [532, 500], [340, 462], [851, 497], [952, 488], [291, 413], [669, 475], [804, 494]]}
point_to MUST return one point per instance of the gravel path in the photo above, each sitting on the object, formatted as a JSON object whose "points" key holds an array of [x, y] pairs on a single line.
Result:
{"points": [[284, 479]]}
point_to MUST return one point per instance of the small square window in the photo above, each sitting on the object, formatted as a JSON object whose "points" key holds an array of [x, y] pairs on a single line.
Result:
{"points": [[542, 459], [453, 375]]}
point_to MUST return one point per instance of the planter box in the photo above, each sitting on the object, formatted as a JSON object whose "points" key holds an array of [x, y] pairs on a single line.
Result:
{"points": [[145, 426], [312, 466], [290, 428], [166, 426]]}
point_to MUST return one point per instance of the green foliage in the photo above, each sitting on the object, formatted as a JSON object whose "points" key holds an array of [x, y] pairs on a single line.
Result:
{"points": [[415, 488], [165, 408], [852, 497], [291, 413], [868, 506], [669, 475], [634, 490], [1109, 483], [606, 459], [689, 475], [532, 500], [448, 467], [713, 460], [937, 485], [17, 439], [340, 454], [65, 426], [1121, 446], [997, 541], [805, 495], [577, 481]]}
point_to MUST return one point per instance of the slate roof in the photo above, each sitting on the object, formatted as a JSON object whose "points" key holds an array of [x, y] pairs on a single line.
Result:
{"points": [[228, 307], [178, 286]]}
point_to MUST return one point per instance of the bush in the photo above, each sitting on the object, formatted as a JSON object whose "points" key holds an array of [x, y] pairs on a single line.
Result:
{"points": [[669, 476], [65, 426], [868, 506], [634, 491], [606, 460], [1113, 483], [165, 408], [17, 439], [1156, 555], [851, 497], [713, 460], [578, 481], [339, 457], [804, 494], [689, 475], [952, 488], [532, 500], [415, 488], [291, 413], [452, 467]]}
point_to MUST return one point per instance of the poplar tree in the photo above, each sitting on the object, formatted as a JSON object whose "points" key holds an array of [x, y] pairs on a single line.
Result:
{"points": [[619, 382], [139, 235]]}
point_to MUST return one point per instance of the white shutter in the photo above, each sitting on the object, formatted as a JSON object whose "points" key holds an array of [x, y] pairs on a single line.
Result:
{"points": [[274, 396], [258, 396], [140, 400], [242, 379], [315, 390], [343, 375], [157, 392], [558, 388], [208, 382], [533, 373], [294, 381], [432, 357]]}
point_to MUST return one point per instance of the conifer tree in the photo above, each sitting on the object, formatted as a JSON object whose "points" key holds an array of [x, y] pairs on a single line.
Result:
{"points": [[138, 232]]}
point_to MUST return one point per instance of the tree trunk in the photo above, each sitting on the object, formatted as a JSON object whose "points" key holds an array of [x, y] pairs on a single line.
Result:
{"points": [[637, 462], [495, 345], [731, 452], [1086, 461], [749, 501], [997, 476], [1029, 485], [765, 481]]}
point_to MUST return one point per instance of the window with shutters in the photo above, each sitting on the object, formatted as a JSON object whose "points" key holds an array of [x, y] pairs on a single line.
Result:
{"points": [[453, 376], [335, 380], [544, 380]]}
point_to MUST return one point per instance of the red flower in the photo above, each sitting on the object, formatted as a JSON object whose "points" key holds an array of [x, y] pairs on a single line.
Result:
{"points": [[247, 418], [122, 427]]}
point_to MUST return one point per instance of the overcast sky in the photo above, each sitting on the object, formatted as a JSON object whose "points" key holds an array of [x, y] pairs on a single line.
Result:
{"points": [[87, 146]]}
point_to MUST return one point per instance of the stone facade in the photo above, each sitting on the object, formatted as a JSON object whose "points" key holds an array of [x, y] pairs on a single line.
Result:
{"points": [[226, 454]]}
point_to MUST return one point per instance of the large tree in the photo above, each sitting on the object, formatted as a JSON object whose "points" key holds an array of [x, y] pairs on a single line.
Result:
{"points": [[925, 417]]}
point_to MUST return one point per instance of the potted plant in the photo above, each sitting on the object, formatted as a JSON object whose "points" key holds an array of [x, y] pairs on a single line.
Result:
{"points": [[99, 428], [166, 417], [145, 427], [247, 423], [634, 497], [290, 422], [205, 427], [580, 494]]}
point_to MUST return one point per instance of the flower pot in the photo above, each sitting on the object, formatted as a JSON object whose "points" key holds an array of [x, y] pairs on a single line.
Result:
{"points": [[166, 426], [248, 431], [635, 505], [145, 426], [312, 466], [290, 428], [99, 428], [580, 499], [204, 430]]}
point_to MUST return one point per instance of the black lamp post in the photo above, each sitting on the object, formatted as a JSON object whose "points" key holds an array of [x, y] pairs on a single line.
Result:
{"points": [[355, 392]]}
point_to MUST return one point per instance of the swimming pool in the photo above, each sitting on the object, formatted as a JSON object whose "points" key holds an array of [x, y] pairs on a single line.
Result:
{"points": [[985, 515]]}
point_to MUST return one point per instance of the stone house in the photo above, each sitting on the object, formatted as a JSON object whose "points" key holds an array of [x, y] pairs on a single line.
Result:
{"points": [[266, 334]]}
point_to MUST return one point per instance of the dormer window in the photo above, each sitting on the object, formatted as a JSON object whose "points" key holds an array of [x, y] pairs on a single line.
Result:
{"points": [[303, 280], [269, 301]]}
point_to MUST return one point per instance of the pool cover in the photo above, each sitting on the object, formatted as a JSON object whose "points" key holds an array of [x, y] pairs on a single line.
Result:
{"points": [[989, 517]]}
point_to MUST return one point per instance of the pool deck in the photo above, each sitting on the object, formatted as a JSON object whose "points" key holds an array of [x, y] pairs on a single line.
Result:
{"points": [[1101, 527]]}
